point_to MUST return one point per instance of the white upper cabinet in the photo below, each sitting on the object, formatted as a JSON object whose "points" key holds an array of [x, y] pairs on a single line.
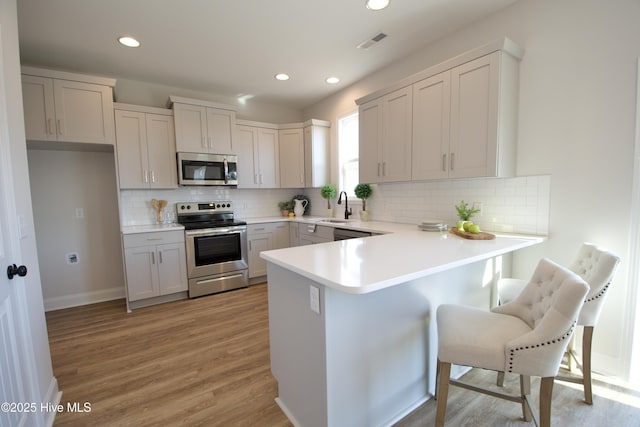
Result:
{"points": [[385, 138], [464, 119], [60, 106], [145, 145], [316, 153], [258, 155], [291, 157], [203, 127], [431, 110]]}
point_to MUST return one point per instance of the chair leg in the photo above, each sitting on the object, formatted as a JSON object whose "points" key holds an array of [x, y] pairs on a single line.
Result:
{"points": [[500, 379], [571, 363], [444, 372], [546, 389], [587, 336], [525, 390]]}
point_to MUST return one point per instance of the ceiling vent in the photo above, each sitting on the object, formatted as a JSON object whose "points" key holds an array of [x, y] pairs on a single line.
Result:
{"points": [[367, 44]]}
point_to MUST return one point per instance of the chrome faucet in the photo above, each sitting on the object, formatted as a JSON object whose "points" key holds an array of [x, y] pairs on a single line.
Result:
{"points": [[347, 209]]}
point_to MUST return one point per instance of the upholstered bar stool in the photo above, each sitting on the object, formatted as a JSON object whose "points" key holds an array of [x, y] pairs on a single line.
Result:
{"points": [[597, 266], [527, 336]]}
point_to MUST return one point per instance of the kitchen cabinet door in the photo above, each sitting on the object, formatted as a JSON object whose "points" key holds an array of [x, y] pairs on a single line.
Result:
{"points": [[291, 147], [248, 168], [39, 108], [430, 143], [370, 138], [281, 235], [396, 143], [385, 138], [65, 110], [141, 272], [258, 239], [474, 118], [191, 128], [220, 127], [201, 129], [161, 150], [258, 152], [84, 112], [294, 236], [131, 147], [145, 150], [316, 154], [155, 264], [172, 268], [267, 153]]}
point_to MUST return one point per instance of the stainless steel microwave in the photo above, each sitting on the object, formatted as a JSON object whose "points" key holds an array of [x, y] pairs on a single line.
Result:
{"points": [[207, 169]]}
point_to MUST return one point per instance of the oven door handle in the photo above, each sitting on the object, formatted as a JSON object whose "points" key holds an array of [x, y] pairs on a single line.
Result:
{"points": [[214, 231]]}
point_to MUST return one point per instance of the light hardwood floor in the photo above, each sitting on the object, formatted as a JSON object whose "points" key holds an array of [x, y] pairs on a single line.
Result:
{"points": [[205, 362]]}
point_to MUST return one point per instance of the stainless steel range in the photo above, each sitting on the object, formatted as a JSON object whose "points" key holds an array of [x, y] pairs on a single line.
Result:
{"points": [[216, 246]]}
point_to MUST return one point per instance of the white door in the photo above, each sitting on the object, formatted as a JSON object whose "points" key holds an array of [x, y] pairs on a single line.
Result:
{"points": [[15, 374]]}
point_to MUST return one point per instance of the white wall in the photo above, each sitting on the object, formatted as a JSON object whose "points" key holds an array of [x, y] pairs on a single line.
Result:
{"points": [[576, 124], [63, 181]]}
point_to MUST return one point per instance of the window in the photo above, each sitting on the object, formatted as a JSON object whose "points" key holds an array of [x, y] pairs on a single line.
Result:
{"points": [[348, 152]]}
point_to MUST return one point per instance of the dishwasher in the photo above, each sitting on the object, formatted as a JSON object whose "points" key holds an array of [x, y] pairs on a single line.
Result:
{"points": [[343, 234]]}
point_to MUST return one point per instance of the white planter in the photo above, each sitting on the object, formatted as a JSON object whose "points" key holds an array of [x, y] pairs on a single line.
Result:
{"points": [[364, 215], [328, 213]]}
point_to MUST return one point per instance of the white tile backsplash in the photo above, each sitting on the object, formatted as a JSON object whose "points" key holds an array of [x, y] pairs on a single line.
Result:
{"points": [[519, 205]]}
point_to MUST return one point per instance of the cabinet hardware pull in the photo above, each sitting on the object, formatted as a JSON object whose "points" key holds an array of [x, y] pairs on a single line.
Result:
{"points": [[452, 157], [249, 245], [384, 168], [153, 257], [378, 168], [444, 163], [50, 127], [60, 127], [160, 256], [258, 229], [153, 238], [146, 176], [153, 177]]}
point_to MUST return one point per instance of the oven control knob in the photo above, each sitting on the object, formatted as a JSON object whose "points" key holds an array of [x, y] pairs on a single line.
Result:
{"points": [[182, 207], [228, 205], [188, 207], [218, 205]]}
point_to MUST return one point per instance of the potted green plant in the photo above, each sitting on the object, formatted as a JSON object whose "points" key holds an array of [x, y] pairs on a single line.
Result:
{"points": [[465, 212], [285, 207], [363, 192], [328, 192]]}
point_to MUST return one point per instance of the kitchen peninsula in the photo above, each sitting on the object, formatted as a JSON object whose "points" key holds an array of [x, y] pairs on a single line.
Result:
{"points": [[352, 322]]}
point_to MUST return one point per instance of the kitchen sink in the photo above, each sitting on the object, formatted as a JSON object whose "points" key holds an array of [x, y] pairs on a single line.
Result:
{"points": [[335, 220]]}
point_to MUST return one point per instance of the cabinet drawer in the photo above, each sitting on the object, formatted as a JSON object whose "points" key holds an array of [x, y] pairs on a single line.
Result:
{"points": [[153, 238], [319, 231], [264, 227]]}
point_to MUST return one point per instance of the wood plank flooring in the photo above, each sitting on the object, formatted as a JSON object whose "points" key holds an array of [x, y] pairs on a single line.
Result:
{"points": [[205, 362]]}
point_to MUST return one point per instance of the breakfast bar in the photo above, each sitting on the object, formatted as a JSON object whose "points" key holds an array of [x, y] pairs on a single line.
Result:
{"points": [[352, 323]]}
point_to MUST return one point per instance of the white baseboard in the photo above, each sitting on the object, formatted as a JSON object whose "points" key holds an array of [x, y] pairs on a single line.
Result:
{"points": [[53, 397], [83, 298]]}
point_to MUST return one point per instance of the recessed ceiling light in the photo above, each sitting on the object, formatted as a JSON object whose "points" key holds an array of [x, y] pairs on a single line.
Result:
{"points": [[282, 76], [376, 4], [332, 80], [128, 41]]}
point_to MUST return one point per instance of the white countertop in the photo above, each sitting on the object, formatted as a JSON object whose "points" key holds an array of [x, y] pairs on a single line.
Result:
{"points": [[359, 266], [151, 228]]}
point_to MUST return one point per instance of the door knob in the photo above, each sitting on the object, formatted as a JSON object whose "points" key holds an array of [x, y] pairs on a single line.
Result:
{"points": [[14, 270]]}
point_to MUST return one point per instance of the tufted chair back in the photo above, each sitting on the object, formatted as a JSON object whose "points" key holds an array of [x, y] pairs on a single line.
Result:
{"points": [[549, 305], [597, 267]]}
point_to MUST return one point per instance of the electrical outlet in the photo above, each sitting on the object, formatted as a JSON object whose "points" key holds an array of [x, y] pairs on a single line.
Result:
{"points": [[79, 213], [314, 299]]}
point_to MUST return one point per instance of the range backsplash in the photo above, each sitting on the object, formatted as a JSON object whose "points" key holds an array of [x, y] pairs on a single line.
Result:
{"points": [[518, 205]]}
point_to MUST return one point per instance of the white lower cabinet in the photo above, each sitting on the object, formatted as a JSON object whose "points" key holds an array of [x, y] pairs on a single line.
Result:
{"points": [[155, 264], [265, 237], [309, 234]]}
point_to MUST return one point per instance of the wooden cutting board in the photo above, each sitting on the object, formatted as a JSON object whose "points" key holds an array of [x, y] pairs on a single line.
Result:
{"points": [[483, 235]]}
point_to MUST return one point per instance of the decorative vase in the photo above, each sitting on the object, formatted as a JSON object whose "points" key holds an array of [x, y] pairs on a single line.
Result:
{"points": [[364, 215], [328, 213], [299, 205]]}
